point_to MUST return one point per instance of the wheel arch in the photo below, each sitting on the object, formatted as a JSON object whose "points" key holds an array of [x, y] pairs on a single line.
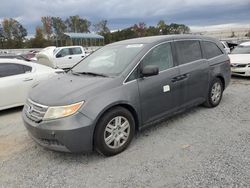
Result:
{"points": [[127, 106], [222, 80]]}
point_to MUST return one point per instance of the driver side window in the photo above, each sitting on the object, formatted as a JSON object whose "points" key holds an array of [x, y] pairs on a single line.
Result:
{"points": [[160, 56]]}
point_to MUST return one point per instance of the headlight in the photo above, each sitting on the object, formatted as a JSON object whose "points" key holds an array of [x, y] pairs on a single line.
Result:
{"points": [[62, 111]]}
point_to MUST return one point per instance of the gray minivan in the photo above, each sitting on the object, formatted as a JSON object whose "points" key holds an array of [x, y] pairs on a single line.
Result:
{"points": [[124, 87]]}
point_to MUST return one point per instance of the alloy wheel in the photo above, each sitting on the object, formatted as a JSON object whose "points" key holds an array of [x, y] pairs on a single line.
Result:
{"points": [[216, 92], [117, 132]]}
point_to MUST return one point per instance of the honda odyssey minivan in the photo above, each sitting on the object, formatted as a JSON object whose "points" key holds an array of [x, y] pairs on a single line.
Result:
{"points": [[124, 87]]}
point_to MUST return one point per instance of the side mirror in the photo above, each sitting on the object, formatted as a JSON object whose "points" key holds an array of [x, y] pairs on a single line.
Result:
{"points": [[149, 70]]}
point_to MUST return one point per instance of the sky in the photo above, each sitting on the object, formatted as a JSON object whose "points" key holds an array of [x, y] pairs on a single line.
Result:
{"points": [[124, 13]]}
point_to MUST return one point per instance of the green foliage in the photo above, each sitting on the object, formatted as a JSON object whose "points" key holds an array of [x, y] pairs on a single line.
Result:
{"points": [[101, 27], [12, 33], [1, 36], [77, 25], [39, 41], [178, 29], [58, 26], [141, 30], [47, 26]]}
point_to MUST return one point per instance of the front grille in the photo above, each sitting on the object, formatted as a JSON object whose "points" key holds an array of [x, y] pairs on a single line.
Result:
{"points": [[34, 111], [238, 65], [49, 142], [240, 72]]}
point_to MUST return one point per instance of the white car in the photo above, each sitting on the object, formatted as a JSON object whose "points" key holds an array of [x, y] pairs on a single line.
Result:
{"points": [[61, 57], [225, 46], [240, 60], [17, 77]]}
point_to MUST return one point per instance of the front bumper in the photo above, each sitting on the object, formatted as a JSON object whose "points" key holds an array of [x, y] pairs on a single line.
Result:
{"points": [[69, 134], [245, 71]]}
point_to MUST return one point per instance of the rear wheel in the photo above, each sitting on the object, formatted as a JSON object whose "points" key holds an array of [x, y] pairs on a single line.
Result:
{"points": [[214, 94], [114, 131]]}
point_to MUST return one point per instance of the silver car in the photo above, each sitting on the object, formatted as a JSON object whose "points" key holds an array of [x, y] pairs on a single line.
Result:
{"points": [[124, 87]]}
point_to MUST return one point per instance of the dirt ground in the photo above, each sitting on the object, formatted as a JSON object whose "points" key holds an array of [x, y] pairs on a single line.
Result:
{"points": [[199, 148]]}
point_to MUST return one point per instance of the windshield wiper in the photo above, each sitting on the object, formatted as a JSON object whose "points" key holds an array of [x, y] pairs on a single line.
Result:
{"points": [[89, 73]]}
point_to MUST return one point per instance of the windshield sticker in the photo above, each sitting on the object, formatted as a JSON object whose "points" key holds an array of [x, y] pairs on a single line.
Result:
{"points": [[134, 46]]}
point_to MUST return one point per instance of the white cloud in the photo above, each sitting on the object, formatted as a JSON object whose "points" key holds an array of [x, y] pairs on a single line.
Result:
{"points": [[29, 12], [219, 27]]}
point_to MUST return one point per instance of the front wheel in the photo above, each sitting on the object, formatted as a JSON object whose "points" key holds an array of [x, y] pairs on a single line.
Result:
{"points": [[214, 94], [114, 131]]}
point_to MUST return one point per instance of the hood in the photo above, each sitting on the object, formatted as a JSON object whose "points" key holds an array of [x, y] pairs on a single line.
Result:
{"points": [[45, 57], [67, 89], [239, 58]]}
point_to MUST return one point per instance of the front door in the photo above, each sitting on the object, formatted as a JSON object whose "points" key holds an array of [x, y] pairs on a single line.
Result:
{"points": [[159, 94]]}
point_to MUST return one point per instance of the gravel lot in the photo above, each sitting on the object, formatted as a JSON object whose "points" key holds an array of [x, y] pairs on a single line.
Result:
{"points": [[200, 148]]}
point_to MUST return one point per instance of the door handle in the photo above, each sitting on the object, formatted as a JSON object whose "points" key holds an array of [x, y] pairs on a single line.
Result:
{"points": [[83, 56], [27, 79], [70, 57], [175, 79], [179, 78], [184, 76]]}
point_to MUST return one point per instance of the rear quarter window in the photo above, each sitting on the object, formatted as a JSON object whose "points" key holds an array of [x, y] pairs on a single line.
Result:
{"points": [[27, 68], [188, 51], [211, 49]]}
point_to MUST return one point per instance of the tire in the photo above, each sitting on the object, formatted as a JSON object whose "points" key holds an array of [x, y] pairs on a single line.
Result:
{"points": [[117, 127], [214, 94]]}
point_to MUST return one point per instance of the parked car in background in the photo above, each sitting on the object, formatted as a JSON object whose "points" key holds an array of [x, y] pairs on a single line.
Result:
{"points": [[20, 57], [124, 87], [225, 46], [17, 77], [240, 59], [61, 57], [30, 55]]}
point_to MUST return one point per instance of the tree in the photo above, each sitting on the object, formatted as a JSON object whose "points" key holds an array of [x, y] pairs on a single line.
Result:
{"points": [[178, 29], [59, 28], [39, 41], [140, 29], [13, 32], [47, 26], [162, 27], [101, 27], [152, 31], [1, 36], [77, 25]]}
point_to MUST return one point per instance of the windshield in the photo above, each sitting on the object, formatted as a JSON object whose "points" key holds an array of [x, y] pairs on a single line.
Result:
{"points": [[56, 50], [109, 60], [241, 50]]}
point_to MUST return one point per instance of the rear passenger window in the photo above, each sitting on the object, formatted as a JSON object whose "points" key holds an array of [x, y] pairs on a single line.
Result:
{"points": [[160, 56], [10, 69], [211, 49], [188, 51], [76, 51]]}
